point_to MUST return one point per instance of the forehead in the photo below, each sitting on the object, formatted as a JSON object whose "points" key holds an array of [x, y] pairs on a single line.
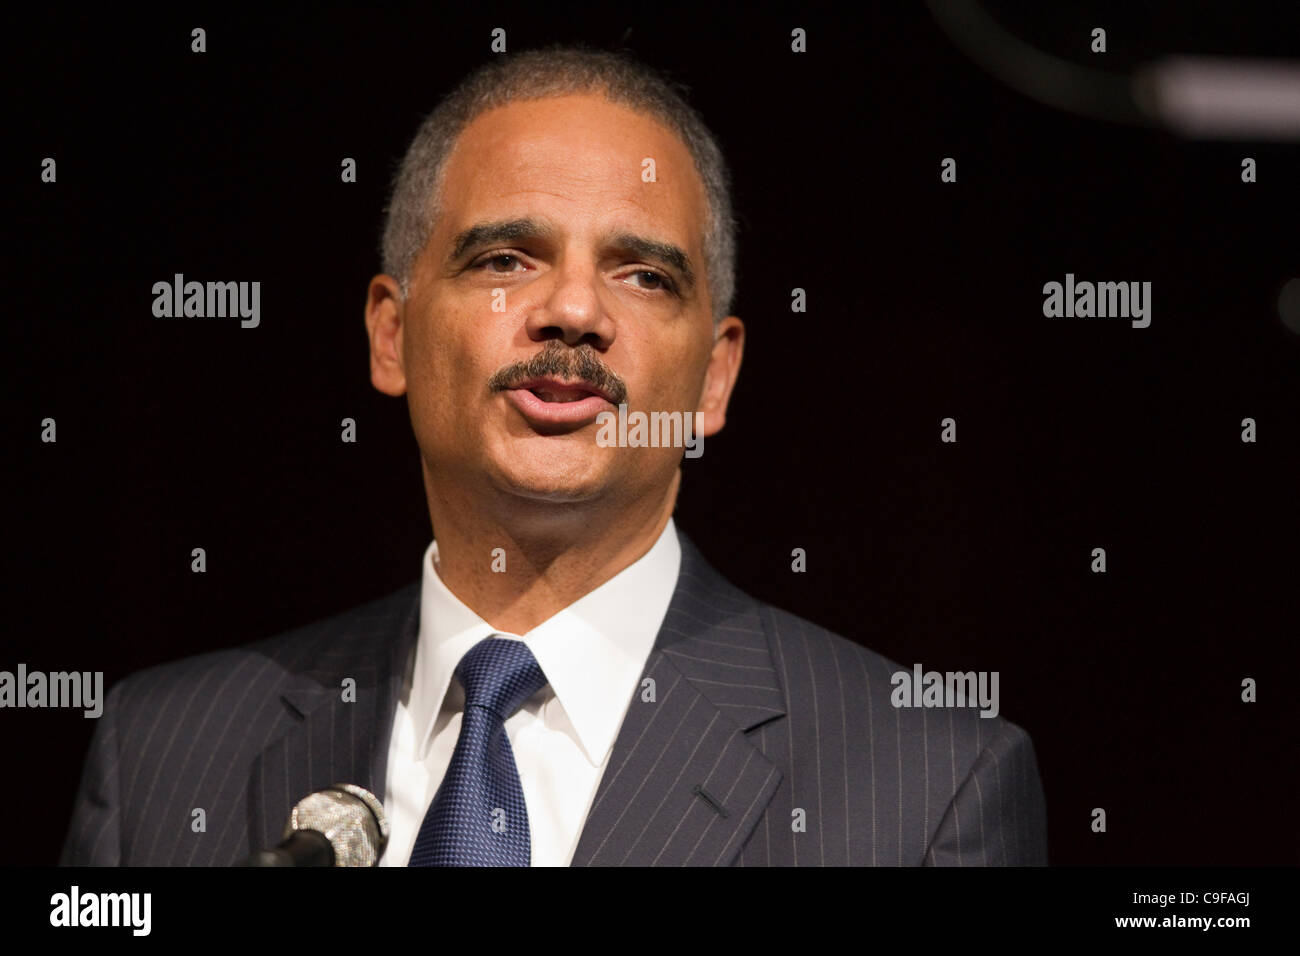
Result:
{"points": [[579, 160]]}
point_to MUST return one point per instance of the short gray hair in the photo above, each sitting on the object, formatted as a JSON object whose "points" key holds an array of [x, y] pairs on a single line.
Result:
{"points": [[538, 74]]}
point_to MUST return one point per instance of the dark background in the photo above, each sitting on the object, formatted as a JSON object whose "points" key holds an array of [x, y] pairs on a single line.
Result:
{"points": [[925, 301]]}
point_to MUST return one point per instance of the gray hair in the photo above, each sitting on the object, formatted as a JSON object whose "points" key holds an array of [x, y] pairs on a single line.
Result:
{"points": [[538, 74]]}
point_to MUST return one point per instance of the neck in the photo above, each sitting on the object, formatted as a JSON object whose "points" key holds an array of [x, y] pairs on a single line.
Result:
{"points": [[550, 554]]}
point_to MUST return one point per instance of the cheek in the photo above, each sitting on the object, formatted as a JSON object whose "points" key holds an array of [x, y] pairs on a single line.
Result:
{"points": [[432, 380], [674, 381], [440, 362], [422, 374], [660, 369]]}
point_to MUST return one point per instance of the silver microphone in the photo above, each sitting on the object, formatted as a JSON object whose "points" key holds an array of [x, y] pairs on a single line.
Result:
{"points": [[342, 825]]}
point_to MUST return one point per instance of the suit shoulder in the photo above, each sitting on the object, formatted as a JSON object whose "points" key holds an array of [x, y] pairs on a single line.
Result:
{"points": [[813, 660], [824, 652]]}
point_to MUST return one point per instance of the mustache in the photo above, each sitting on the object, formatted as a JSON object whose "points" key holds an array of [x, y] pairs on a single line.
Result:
{"points": [[564, 362]]}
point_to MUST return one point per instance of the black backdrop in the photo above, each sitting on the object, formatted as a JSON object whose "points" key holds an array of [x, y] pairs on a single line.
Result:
{"points": [[924, 301]]}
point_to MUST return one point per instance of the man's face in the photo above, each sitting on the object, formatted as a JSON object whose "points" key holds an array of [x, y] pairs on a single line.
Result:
{"points": [[598, 286]]}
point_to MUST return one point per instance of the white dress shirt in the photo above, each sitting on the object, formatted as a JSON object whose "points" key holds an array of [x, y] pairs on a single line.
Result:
{"points": [[593, 653]]}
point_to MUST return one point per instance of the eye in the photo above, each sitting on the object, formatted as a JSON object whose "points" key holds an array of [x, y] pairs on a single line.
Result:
{"points": [[659, 281], [494, 259]]}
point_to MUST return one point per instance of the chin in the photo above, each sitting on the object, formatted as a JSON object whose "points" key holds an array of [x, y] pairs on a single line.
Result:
{"points": [[554, 495], [536, 482]]}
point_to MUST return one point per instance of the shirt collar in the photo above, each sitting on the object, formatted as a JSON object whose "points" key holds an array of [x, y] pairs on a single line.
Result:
{"points": [[592, 651]]}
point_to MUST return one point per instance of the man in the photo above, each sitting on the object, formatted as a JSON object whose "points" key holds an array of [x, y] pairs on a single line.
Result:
{"points": [[569, 681]]}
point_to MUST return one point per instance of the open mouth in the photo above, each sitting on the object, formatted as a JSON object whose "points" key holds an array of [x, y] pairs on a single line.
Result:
{"points": [[551, 393], [553, 402], [558, 392]]}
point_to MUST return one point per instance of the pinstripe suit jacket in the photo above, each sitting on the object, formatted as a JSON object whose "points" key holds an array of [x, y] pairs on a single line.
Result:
{"points": [[756, 715]]}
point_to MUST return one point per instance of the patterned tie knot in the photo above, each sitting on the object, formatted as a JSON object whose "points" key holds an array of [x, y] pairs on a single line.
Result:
{"points": [[498, 675]]}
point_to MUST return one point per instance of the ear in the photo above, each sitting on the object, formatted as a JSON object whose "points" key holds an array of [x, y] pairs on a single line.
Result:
{"points": [[384, 325], [720, 375]]}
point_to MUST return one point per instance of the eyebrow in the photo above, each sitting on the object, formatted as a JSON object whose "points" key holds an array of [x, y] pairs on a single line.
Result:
{"points": [[514, 230]]}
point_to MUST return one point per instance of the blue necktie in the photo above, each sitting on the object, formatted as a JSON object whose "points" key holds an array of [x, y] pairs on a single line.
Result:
{"points": [[478, 816]]}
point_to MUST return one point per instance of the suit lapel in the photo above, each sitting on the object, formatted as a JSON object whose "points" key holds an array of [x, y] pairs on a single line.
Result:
{"points": [[331, 740], [684, 785]]}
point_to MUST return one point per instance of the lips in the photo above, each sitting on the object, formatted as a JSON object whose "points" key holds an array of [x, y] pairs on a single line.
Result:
{"points": [[552, 401], [558, 391]]}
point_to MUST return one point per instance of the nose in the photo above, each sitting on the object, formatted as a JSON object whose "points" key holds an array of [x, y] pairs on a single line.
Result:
{"points": [[572, 313]]}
